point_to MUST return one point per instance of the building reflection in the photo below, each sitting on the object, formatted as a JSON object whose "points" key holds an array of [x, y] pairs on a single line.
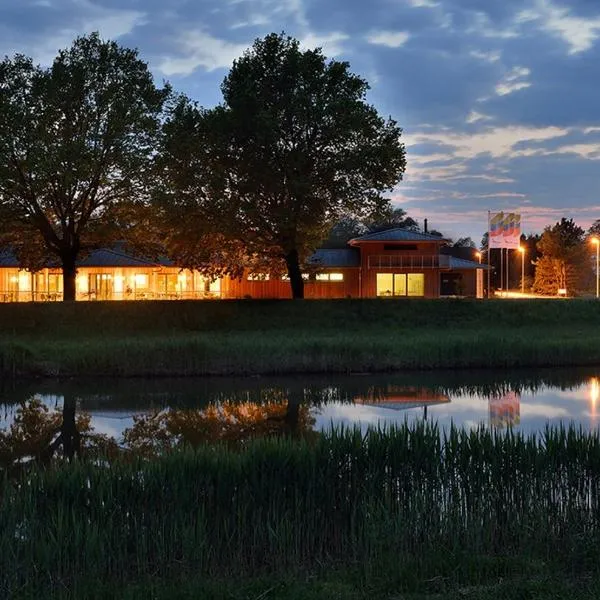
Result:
{"points": [[505, 409], [401, 398]]}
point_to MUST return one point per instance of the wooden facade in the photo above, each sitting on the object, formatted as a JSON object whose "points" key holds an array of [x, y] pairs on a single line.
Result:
{"points": [[390, 264]]}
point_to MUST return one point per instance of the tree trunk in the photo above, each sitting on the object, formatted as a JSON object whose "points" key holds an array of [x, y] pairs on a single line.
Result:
{"points": [[71, 439], [295, 274], [69, 274]]}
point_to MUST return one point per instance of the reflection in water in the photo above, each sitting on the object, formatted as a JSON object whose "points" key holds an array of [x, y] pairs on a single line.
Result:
{"points": [[44, 420], [594, 391], [505, 410]]}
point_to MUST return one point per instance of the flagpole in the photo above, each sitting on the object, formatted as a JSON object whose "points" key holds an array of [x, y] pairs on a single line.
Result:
{"points": [[488, 257], [501, 269]]}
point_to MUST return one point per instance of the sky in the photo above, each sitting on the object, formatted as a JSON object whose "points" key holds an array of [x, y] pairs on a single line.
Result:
{"points": [[498, 99]]}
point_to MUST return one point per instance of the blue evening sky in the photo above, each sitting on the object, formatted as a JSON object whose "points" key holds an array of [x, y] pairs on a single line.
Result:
{"points": [[498, 99]]}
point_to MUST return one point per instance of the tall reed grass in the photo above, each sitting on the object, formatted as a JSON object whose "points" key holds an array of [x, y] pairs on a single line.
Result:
{"points": [[411, 502]]}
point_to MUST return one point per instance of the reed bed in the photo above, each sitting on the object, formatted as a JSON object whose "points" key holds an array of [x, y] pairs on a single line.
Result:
{"points": [[409, 504], [283, 337]]}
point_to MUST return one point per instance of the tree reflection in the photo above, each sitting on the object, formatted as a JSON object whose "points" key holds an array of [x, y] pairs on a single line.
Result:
{"points": [[227, 422], [40, 433]]}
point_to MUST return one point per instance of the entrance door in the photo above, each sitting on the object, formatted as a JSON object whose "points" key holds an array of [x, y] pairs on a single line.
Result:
{"points": [[451, 284]]}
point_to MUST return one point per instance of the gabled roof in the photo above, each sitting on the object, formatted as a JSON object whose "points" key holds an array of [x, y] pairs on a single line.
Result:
{"points": [[335, 257], [397, 235]]}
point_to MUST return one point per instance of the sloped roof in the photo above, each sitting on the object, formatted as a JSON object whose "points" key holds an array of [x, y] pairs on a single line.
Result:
{"points": [[397, 235], [108, 257], [103, 257], [335, 257], [462, 264]]}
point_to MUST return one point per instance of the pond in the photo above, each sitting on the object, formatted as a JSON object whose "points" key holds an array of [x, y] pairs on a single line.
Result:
{"points": [[149, 411]]}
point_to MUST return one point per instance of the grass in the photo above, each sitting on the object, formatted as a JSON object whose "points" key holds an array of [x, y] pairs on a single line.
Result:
{"points": [[273, 337], [403, 513]]}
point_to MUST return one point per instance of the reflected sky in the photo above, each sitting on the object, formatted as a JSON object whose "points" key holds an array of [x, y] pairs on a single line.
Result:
{"points": [[526, 401]]}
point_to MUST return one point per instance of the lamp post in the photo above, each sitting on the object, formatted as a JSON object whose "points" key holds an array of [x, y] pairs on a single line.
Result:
{"points": [[478, 255], [522, 251], [596, 243]]}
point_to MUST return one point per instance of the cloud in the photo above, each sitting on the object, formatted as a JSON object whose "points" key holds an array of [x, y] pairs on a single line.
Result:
{"points": [[390, 39], [578, 33], [483, 26], [331, 43], [474, 117], [200, 49], [513, 81], [111, 23], [496, 142], [422, 3], [492, 56]]}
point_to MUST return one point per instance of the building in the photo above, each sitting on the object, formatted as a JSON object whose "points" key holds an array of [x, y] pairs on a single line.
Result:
{"points": [[395, 263]]}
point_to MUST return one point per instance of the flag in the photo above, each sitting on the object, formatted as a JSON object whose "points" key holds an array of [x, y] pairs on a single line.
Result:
{"points": [[505, 230]]}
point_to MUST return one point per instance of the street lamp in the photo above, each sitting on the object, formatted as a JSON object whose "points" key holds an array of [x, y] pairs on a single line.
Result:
{"points": [[596, 243], [522, 251], [478, 255]]}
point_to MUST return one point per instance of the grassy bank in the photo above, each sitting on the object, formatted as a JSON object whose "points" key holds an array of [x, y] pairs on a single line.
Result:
{"points": [[402, 514], [241, 337]]}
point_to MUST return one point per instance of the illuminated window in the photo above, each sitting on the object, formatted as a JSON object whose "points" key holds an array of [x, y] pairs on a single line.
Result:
{"points": [[141, 280], [416, 284], [330, 277], [258, 277], [400, 284], [287, 277]]}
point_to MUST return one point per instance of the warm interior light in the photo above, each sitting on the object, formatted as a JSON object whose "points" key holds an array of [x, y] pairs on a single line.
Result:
{"points": [[82, 284], [24, 281], [141, 280], [118, 284]]}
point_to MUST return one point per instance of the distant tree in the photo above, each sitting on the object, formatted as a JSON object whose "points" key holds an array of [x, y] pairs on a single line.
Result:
{"points": [[76, 142], [594, 229], [343, 231], [564, 261], [391, 218], [464, 242], [293, 148]]}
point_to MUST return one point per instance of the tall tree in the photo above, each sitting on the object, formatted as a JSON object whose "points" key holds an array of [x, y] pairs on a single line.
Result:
{"points": [[76, 141], [293, 148], [564, 261]]}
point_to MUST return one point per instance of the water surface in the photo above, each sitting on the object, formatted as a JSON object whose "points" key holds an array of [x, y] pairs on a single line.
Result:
{"points": [[524, 400]]}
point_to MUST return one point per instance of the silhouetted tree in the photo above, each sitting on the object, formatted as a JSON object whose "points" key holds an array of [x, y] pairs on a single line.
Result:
{"points": [[76, 141], [292, 149]]}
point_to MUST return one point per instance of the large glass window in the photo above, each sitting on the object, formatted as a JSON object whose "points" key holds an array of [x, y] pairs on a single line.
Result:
{"points": [[401, 284], [385, 284], [416, 284]]}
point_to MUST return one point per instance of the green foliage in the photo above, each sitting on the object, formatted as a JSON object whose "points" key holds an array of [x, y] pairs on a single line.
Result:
{"points": [[75, 147], [564, 263], [293, 148], [409, 506]]}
